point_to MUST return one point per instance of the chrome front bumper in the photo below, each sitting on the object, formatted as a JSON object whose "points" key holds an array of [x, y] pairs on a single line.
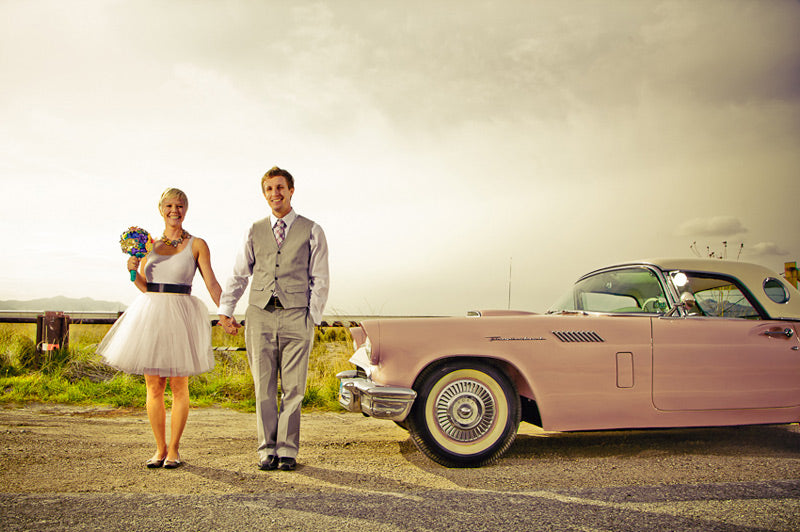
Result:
{"points": [[359, 394]]}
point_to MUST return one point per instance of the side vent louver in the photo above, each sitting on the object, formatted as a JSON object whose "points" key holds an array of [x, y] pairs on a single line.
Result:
{"points": [[578, 336]]}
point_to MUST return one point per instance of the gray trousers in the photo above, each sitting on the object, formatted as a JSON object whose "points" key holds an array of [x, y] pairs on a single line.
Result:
{"points": [[278, 344]]}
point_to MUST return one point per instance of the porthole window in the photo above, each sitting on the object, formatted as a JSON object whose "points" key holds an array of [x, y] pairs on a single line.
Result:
{"points": [[775, 290]]}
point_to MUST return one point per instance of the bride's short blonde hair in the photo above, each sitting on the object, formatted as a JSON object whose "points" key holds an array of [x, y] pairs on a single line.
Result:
{"points": [[173, 193]]}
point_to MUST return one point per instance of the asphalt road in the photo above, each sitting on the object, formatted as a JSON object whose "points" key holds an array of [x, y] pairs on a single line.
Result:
{"points": [[79, 469]]}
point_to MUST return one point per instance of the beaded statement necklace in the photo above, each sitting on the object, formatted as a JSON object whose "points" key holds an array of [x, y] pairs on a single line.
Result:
{"points": [[174, 243]]}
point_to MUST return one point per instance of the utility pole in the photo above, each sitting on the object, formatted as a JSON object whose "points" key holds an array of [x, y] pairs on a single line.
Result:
{"points": [[790, 272]]}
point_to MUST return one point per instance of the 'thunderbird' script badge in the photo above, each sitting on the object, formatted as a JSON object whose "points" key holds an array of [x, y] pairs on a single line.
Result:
{"points": [[514, 339]]}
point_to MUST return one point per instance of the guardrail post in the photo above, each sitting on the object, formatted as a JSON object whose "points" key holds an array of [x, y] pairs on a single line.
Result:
{"points": [[52, 332]]}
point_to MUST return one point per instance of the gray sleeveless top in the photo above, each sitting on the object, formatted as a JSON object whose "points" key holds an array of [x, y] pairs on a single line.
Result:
{"points": [[171, 269]]}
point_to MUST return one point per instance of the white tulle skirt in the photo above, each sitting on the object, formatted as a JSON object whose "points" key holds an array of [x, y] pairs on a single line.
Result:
{"points": [[162, 334]]}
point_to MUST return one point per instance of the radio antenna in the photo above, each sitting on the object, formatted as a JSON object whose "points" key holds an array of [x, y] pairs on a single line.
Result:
{"points": [[510, 259]]}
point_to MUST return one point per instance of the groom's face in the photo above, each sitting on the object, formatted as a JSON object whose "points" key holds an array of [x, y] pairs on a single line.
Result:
{"points": [[279, 195]]}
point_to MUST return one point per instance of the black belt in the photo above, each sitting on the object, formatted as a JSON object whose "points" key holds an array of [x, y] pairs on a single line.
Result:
{"points": [[169, 288], [274, 302]]}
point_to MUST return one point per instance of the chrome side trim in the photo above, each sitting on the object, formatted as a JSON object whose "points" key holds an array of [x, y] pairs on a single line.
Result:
{"points": [[359, 394]]}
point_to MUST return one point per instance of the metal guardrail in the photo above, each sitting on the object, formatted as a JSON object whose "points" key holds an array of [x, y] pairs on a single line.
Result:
{"points": [[52, 327], [31, 316], [107, 318]]}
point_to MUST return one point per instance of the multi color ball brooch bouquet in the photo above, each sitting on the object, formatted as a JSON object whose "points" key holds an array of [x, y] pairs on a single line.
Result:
{"points": [[136, 242]]}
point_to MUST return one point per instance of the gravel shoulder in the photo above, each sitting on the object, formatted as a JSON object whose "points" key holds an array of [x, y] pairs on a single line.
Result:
{"points": [[48, 449]]}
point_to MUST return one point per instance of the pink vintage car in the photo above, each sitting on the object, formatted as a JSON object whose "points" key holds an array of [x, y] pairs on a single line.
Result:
{"points": [[657, 343]]}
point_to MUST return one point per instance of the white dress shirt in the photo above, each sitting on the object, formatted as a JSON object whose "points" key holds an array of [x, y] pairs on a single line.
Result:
{"points": [[317, 271]]}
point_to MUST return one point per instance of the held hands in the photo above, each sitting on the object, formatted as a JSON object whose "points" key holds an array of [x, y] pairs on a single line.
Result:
{"points": [[230, 325]]}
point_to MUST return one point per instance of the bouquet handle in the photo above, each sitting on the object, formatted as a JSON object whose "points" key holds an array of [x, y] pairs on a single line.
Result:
{"points": [[133, 275]]}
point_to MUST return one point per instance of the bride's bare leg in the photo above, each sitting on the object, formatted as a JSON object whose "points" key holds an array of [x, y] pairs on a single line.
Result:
{"points": [[179, 414], [156, 412]]}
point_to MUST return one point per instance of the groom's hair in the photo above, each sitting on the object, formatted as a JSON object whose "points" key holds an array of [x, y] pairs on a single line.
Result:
{"points": [[275, 172]]}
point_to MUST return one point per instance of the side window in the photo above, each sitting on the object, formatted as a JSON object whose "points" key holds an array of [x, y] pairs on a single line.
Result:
{"points": [[775, 290], [629, 290], [717, 297]]}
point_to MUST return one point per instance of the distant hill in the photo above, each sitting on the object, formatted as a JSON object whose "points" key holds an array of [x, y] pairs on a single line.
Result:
{"points": [[84, 304]]}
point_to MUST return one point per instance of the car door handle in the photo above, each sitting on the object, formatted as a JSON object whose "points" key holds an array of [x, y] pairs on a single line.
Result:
{"points": [[787, 332]]}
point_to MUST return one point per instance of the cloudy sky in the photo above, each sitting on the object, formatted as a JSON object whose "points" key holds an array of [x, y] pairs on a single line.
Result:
{"points": [[446, 147]]}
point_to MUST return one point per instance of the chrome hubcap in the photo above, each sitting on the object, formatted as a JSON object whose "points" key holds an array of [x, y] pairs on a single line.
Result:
{"points": [[465, 410]]}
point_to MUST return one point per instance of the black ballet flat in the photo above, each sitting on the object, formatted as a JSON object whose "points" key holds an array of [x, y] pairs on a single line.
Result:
{"points": [[173, 464], [154, 463]]}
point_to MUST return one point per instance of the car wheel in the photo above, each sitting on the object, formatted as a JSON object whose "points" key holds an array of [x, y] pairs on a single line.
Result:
{"points": [[466, 414]]}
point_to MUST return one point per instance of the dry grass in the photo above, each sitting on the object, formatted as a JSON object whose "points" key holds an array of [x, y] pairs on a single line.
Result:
{"points": [[78, 375]]}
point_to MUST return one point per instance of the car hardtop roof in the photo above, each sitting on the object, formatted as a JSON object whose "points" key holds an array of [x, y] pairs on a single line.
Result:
{"points": [[725, 266], [734, 268], [752, 275]]}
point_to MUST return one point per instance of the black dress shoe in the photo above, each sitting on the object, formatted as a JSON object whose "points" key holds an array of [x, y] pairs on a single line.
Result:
{"points": [[271, 463], [287, 464]]}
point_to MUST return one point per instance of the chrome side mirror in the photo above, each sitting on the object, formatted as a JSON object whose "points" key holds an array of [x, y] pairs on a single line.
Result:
{"points": [[686, 303], [687, 300]]}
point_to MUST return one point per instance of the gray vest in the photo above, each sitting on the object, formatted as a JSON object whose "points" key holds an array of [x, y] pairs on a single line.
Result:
{"points": [[281, 271]]}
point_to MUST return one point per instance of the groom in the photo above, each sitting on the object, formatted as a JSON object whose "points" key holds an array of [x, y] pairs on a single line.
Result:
{"points": [[287, 257]]}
